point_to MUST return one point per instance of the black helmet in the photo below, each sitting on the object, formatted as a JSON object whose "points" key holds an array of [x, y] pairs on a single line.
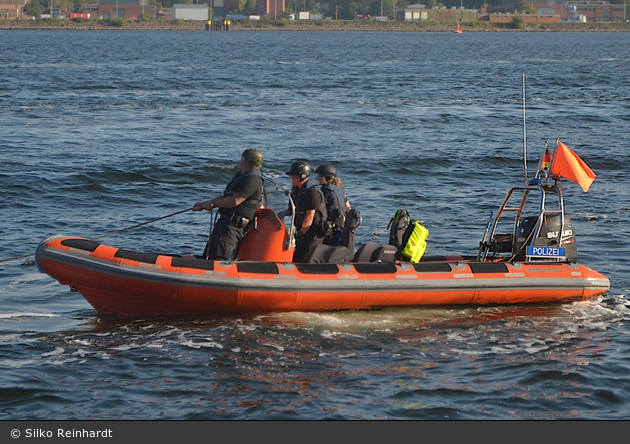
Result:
{"points": [[255, 157], [301, 169], [328, 171]]}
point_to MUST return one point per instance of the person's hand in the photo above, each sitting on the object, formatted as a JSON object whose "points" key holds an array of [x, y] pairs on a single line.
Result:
{"points": [[207, 205]]}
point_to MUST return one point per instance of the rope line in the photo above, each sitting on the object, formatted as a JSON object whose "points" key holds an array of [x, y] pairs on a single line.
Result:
{"points": [[147, 222], [109, 234], [139, 225]]}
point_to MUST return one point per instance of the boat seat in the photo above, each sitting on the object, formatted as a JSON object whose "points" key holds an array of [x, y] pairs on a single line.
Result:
{"points": [[502, 243], [266, 241], [327, 254], [373, 252]]}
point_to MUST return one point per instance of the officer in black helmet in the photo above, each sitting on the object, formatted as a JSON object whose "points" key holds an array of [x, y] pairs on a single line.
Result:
{"points": [[310, 209], [237, 206]]}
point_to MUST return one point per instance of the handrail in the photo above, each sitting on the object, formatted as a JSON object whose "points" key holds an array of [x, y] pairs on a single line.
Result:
{"points": [[491, 233]]}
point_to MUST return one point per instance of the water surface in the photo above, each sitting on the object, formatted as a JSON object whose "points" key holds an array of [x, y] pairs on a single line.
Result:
{"points": [[105, 130]]}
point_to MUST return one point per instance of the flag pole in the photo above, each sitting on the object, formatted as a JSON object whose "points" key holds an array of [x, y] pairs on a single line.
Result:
{"points": [[553, 158], [524, 133]]}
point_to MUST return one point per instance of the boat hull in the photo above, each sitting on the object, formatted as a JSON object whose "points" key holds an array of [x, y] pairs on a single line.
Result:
{"points": [[125, 282]]}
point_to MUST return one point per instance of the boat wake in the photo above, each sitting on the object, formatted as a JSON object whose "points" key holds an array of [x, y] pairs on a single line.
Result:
{"points": [[26, 315]]}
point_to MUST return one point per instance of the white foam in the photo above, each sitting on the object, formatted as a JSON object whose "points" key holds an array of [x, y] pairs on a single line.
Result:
{"points": [[27, 315], [126, 347], [55, 352], [339, 334], [276, 346], [19, 363], [32, 277], [16, 339], [533, 350], [198, 345], [82, 353]]}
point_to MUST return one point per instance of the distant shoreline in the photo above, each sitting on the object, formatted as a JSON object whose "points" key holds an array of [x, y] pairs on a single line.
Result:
{"points": [[324, 25]]}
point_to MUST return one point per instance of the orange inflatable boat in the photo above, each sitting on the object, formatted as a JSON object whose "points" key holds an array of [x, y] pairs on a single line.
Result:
{"points": [[528, 254]]}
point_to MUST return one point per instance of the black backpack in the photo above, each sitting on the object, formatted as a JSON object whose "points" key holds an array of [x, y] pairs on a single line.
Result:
{"points": [[323, 212], [397, 227], [336, 216], [336, 209]]}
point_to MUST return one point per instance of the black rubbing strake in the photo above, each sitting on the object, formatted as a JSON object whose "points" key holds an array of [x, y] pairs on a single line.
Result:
{"points": [[433, 268], [375, 268], [257, 267], [317, 268], [80, 244], [148, 258], [199, 264], [488, 267]]}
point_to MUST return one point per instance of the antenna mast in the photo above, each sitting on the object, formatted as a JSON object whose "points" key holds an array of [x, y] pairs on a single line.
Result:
{"points": [[524, 133]]}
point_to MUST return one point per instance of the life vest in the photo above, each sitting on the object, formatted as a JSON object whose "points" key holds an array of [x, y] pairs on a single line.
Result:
{"points": [[248, 207], [321, 214], [335, 197]]}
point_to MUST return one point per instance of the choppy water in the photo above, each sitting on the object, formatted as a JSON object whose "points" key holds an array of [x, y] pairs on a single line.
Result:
{"points": [[100, 131]]}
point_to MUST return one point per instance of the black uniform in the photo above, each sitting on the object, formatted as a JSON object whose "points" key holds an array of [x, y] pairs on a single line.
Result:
{"points": [[336, 206], [234, 222], [308, 197]]}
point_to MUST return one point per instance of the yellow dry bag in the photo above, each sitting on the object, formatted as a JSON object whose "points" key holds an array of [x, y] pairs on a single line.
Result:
{"points": [[417, 242]]}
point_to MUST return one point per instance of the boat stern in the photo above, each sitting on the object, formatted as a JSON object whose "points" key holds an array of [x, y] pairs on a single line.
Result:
{"points": [[596, 284]]}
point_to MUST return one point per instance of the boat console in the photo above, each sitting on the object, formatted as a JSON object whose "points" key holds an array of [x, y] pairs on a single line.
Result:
{"points": [[530, 225]]}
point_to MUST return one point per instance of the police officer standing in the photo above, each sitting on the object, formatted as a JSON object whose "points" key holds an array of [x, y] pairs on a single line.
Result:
{"points": [[337, 203], [237, 206], [310, 209]]}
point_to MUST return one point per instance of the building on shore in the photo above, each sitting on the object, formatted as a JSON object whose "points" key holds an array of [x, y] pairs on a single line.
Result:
{"points": [[216, 8], [12, 9], [56, 13], [125, 9], [528, 18], [191, 12], [271, 9], [436, 14], [576, 11], [595, 11], [227, 6]]}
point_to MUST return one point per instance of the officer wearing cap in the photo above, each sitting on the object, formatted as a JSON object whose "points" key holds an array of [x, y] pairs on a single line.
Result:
{"points": [[310, 209], [237, 206]]}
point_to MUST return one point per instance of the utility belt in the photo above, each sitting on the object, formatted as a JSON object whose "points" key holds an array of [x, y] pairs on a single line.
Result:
{"points": [[235, 219], [239, 221]]}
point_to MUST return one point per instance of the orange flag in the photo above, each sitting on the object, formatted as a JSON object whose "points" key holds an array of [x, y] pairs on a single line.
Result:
{"points": [[566, 164]]}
